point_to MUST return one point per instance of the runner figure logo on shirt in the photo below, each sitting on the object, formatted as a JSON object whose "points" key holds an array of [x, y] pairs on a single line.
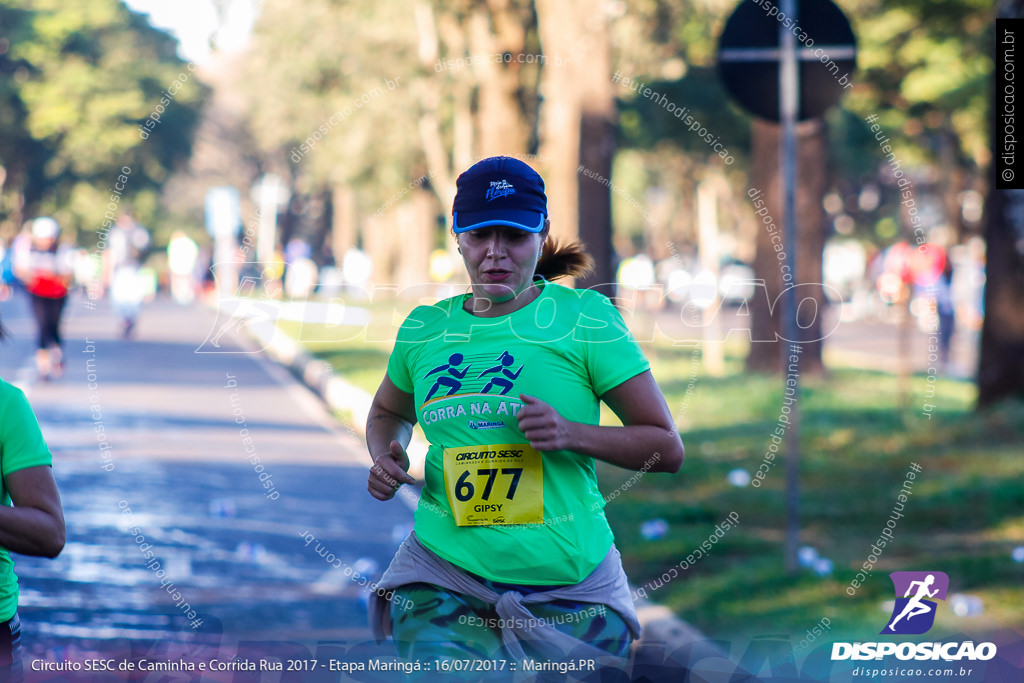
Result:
{"points": [[907, 608], [505, 383], [453, 380]]}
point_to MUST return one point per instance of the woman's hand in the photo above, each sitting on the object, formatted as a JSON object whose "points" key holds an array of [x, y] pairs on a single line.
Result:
{"points": [[545, 428], [388, 472], [647, 439], [389, 425]]}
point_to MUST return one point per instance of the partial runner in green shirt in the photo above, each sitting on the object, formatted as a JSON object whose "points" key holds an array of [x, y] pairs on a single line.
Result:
{"points": [[31, 518]]}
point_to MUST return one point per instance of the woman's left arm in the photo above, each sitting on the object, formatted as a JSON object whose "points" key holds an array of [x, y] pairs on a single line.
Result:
{"points": [[35, 524], [647, 437]]}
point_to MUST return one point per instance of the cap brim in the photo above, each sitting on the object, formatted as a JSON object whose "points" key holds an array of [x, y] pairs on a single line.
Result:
{"points": [[530, 221]]}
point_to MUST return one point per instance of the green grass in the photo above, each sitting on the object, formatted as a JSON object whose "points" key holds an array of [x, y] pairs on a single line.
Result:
{"points": [[964, 516], [359, 354]]}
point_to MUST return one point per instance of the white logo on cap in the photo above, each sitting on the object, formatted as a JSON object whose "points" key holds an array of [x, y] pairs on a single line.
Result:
{"points": [[499, 188]]}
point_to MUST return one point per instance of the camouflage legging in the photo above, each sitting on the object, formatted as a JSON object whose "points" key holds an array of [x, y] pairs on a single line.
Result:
{"points": [[436, 623]]}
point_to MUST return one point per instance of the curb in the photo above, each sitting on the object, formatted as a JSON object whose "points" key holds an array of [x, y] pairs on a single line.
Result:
{"points": [[339, 395]]}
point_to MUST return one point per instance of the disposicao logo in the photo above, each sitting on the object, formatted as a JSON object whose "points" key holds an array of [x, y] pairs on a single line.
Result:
{"points": [[914, 614]]}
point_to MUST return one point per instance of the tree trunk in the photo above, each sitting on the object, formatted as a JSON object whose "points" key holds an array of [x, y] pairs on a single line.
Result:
{"points": [[343, 220], [441, 167], [415, 219], [766, 311], [596, 151], [318, 220], [953, 182], [579, 129], [1000, 367], [502, 128], [560, 117], [486, 116]]}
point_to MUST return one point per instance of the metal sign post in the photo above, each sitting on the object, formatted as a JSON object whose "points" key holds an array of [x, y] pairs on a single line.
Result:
{"points": [[770, 75], [789, 98]]}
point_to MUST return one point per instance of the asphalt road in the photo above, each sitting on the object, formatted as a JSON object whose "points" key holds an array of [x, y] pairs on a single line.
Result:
{"points": [[155, 449]]}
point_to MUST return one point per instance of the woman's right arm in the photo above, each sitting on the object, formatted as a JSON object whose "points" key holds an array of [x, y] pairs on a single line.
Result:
{"points": [[388, 432]]}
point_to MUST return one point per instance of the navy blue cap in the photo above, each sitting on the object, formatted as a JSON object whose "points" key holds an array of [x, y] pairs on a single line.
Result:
{"points": [[499, 191]]}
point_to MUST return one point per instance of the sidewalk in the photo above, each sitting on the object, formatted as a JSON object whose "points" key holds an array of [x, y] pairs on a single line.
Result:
{"points": [[221, 465]]}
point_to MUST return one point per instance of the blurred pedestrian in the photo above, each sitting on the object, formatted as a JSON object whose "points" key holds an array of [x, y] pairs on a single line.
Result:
{"points": [[31, 518], [126, 250], [6, 271], [301, 279], [356, 269], [945, 310], [45, 269], [296, 249], [182, 254], [512, 555]]}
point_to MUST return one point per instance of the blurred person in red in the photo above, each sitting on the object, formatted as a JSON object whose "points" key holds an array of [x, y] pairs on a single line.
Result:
{"points": [[31, 517], [45, 270]]}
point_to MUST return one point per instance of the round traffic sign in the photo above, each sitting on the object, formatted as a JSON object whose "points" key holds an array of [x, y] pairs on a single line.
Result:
{"points": [[749, 56]]}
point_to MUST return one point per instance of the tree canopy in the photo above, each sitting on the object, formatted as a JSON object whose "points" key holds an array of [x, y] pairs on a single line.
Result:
{"points": [[80, 83]]}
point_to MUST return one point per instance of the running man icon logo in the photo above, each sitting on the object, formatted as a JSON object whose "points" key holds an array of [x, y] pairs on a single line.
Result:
{"points": [[914, 612]]}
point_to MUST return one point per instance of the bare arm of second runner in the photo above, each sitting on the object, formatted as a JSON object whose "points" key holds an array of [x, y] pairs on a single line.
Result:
{"points": [[388, 432], [35, 523]]}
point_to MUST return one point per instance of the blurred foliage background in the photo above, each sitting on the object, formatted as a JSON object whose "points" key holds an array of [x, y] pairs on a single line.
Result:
{"points": [[79, 82]]}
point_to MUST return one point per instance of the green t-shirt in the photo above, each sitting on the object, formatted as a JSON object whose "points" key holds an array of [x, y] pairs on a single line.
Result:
{"points": [[567, 348], [21, 446]]}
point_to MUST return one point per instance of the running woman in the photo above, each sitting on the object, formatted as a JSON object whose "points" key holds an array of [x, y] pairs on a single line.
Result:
{"points": [[511, 555]]}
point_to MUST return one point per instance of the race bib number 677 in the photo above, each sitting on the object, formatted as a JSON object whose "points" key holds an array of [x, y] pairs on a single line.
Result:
{"points": [[495, 484]]}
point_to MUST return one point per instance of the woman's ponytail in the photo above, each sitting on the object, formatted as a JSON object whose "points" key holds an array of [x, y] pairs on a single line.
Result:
{"points": [[564, 259]]}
